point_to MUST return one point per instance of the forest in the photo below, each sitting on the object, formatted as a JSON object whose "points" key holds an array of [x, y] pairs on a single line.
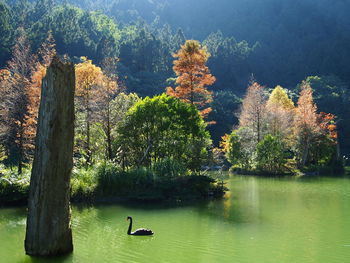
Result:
{"points": [[275, 101], [265, 39]]}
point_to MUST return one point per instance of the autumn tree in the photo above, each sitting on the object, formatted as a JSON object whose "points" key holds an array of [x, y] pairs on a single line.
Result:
{"points": [[45, 54], [15, 101], [88, 77], [106, 91], [306, 123], [253, 111], [192, 76], [325, 149], [280, 112], [4, 89], [20, 90]]}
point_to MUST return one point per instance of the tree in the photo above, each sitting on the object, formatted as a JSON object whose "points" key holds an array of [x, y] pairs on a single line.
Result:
{"points": [[331, 95], [280, 97], [88, 77], [178, 40], [4, 90], [239, 148], [6, 32], [280, 113], [45, 55], [306, 124], [119, 108], [232, 147], [228, 61], [271, 154], [225, 104], [16, 100], [325, 149], [105, 92], [192, 76], [253, 111], [164, 127]]}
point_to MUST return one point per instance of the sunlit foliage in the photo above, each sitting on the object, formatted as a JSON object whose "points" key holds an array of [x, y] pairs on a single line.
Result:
{"points": [[163, 127], [192, 76]]}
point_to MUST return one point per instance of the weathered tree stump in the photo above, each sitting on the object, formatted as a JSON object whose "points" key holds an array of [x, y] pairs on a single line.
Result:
{"points": [[48, 222]]}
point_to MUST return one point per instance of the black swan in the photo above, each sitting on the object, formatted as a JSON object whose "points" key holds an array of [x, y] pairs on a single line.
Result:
{"points": [[140, 231]]}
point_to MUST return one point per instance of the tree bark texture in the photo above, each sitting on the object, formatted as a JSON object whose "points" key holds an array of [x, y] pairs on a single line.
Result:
{"points": [[48, 222]]}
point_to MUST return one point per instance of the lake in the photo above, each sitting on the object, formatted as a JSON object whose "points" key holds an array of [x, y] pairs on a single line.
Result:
{"points": [[260, 220]]}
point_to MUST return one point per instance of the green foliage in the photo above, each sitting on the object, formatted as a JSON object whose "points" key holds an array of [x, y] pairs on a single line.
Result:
{"points": [[234, 148], [114, 181], [164, 127], [6, 31], [224, 106], [14, 188], [240, 149], [143, 184], [271, 155], [332, 95], [323, 151], [168, 168], [228, 60], [247, 154], [77, 32], [108, 182], [83, 184]]}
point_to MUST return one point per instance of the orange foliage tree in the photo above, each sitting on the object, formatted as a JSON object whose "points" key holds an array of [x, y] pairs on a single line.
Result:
{"points": [[88, 78], [306, 123], [328, 125], [45, 54], [316, 134], [106, 92], [4, 87], [16, 81], [20, 92], [193, 76]]}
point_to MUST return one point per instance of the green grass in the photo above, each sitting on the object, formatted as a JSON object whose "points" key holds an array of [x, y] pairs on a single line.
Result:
{"points": [[83, 184]]}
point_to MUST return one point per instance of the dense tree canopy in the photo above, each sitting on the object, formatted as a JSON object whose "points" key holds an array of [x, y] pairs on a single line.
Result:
{"points": [[6, 32], [164, 127]]}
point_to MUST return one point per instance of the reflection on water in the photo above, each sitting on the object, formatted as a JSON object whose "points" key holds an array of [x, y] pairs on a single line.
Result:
{"points": [[259, 220], [240, 206]]}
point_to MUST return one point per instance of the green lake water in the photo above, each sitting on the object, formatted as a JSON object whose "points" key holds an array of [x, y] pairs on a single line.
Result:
{"points": [[260, 220]]}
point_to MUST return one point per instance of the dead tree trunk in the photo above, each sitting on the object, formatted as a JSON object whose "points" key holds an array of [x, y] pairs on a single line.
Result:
{"points": [[48, 222]]}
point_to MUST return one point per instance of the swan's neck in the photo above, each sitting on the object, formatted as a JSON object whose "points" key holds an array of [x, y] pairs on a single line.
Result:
{"points": [[130, 226]]}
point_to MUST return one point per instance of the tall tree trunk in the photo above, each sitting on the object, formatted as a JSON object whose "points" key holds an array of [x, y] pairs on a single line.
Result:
{"points": [[88, 117], [109, 139], [20, 149], [48, 222], [305, 154], [88, 150]]}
